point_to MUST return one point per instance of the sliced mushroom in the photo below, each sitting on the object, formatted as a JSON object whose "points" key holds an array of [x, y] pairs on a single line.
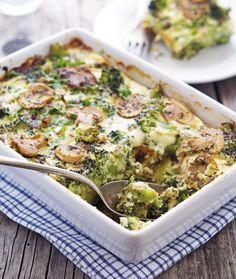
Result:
{"points": [[71, 153], [29, 146], [193, 169], [36, 123], [130, 107], [89, 115], [174, 110], [78, 76], [194, 9], [211, 140], [37, 96]]}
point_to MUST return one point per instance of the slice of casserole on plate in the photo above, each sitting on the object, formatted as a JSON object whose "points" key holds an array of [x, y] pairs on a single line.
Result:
{"points": [[187, 26]]}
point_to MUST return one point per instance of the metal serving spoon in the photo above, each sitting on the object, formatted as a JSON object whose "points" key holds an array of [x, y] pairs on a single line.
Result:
{"points": [[107, 192]]}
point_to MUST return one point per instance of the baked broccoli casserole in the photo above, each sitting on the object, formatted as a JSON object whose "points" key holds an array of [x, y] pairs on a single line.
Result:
{"points": [[73, 109], [187, 26]]}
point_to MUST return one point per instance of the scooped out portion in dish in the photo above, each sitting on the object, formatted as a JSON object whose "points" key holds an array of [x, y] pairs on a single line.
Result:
{"points": [[187, 26], [138, 199], [74, 109]]}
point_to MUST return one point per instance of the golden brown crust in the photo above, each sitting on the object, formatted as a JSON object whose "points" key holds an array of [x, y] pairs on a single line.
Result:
{"points": [[33, 61], [77, 43]]}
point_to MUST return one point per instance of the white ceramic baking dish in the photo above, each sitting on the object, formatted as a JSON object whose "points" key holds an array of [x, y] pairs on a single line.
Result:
{"points": [[128, 245]]}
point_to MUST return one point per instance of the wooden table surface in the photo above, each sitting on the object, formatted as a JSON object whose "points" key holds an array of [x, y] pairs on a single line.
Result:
{"points": [[25, 254]]}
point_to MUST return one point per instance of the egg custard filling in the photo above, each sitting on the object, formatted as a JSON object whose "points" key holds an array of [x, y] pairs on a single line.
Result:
{"points": [[73, 109], [187, 26]]}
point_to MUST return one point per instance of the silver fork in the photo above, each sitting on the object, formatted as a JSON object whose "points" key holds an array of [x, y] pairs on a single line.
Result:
{"points": [[138, 42]]}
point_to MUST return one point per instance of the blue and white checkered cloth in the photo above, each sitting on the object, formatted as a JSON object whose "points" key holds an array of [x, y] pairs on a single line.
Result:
{"points": [[94, 260]]}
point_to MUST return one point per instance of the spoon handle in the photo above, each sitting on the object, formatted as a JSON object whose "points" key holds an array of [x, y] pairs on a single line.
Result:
{"points": [[7, 161]]}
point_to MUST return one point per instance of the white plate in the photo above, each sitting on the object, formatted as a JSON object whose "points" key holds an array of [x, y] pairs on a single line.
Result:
{"points": [[115, 21]]}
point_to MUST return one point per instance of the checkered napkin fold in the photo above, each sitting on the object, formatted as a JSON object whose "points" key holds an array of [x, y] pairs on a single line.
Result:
{"points": [[94, 260]]}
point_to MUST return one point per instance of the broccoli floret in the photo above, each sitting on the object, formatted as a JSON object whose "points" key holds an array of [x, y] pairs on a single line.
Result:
{"points": [[156, 91], [185, 193], [147, 124], [60, 63], [153, 6], [124, 91], [218, 12], [164, 172], [102, 166], [82, 190], [90, 89], [112, 78], [171, 182], [12, 74], [157, 5], [230, 147], [86, 102], [4, 112], [149, 119], [53, 80], [116, 136], [89, 134], [170, 150], [138, 199], [107, 107]]}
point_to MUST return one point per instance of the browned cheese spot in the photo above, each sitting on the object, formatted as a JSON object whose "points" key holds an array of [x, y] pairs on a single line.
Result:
{"points": [[144, 154]]}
